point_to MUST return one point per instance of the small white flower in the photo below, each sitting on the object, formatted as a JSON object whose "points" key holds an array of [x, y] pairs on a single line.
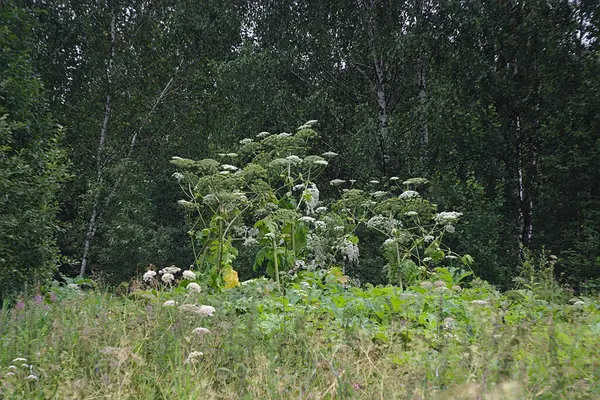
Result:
{"points": [[311, 122], [456, 288], [411, 213], [270, 236], [374, 181], [10, 374], [224, 172], [449, 228], [12, 367], [321, 209], [321, 162], [190, 275], [578, 303], [447, 217], [229, 167], [263, 135], [439, 283], [32, 377], [338, 228], [394, 178], [427, 259], [329, 154], [284, 135], [246, 141], [232, 155], [200, 331], [451, 257], [441, 289], [294, 159], [320, 224], [298, 186], [388, 242], [378, 194], [149, 276], [207, 310], [307, 219], [426, 284], [194, 287], [449, 323], [249, 242], [336, 182], [409, 194], [169, 270], [72, 286], [194, 357], [479, 302], [170, 303], [428, 238], [178, 176], [352, 181], [167, 278]]}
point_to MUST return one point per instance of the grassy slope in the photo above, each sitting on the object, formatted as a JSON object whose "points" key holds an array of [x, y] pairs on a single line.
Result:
{"points": [[319, 341]]}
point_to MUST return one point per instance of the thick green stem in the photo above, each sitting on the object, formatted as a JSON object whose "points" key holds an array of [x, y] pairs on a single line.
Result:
{"points": [[220, 251], [398, 263], [275, 261]]}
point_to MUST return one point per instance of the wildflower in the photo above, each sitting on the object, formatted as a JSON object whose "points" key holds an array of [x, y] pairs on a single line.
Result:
{"points": [[32, 377], [231, 155], [194, 287], [168, 278], [350, 251], [229, 167], [190, 275], [193, 357], [439, 283], [321, 162], [409, 194], [170, 303], [270, 236], [408, 295], [12, 367], [149, 276], [224, 172], [298, 187], [394, 178], [294, 159], [38, 299], [18, 359], [321, 224], [311, 122], [426, 284], [374, 181], [449, 323], [245, 141], [263, 135], [378, 194], [200, 331], [329, 154], [249, 242], [352, 181], [207, 310], [338, 228], [178, 176], [311, 197], [450, 229], [10, 374], [284, 135], [578, 303], [53, 297], [479, 302], [321, 209], [428, 238], [451, 257], [336, 182], [411, 213], [446, 217], [456, 288], [72, 286], [170, 270], [415, 181], [307, 219], [222, 155], [388, 242], [427, 259], [441, 289]]}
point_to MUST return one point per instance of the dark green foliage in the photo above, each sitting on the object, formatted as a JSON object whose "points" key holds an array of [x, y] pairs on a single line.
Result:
{"points": [[32, 167]]}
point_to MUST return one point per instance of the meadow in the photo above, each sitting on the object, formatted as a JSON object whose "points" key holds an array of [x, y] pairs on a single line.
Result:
{"points": [[321, 337]]}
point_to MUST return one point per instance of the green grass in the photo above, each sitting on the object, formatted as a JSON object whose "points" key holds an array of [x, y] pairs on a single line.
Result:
{"points": [[321, 340]]}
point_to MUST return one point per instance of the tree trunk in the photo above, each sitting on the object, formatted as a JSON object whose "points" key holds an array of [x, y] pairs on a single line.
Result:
{"points": [[93, 221]]}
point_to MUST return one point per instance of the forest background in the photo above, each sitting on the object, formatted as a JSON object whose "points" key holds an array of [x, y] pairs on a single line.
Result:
{"points": [[496, 103]]}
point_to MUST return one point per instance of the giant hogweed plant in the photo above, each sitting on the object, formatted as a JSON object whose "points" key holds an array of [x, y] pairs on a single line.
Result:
{"points": [[265, 194]]}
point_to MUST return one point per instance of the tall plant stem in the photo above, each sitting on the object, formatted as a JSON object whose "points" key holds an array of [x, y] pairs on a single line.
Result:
{"points": [[275, 261]]}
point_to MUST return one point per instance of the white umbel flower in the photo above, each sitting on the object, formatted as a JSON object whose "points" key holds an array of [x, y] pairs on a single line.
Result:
{"points": [[167, 278], [201, 331], [194, 357], [229, 167], [170, 270], [194, 287], [190, 275], [170, 303], [409, 194], [149, 276]]}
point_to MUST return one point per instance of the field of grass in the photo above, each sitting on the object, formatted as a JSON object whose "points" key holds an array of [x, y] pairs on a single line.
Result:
{"points": [[323, 338]]}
